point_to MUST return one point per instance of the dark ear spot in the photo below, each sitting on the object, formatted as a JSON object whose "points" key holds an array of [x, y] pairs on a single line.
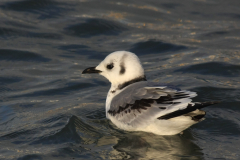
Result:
{"points": [[122, 70], [122, 66]]}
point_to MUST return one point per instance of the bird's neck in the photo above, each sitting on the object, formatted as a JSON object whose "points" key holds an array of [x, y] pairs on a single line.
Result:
{"points": [[138, 79], [115, 87]]}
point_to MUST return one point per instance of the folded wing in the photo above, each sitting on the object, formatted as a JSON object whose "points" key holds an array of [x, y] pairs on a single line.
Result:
{"points": [[143, 102]]}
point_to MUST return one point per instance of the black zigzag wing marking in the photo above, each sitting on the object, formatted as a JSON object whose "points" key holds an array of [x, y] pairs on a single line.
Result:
{"points": [[189, 108], [143, 104], [139, 105], [169, 99]]}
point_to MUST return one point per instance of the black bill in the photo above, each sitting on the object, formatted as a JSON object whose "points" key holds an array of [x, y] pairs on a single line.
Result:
{"points": [[91, 70]]}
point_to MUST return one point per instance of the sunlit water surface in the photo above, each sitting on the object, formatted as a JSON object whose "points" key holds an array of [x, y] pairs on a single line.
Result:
{"points": [[49, 110]]}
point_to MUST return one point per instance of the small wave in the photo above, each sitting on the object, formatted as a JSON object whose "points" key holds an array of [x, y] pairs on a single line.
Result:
{"points": [[154, 46], [75, 131], [208, 93], [19, 133], [17, 55], [8, 33], [9, 80], [81, 50], [52, 119], [95, 27], [69, 88], [213, 68], [97, 114], [46, 8]]}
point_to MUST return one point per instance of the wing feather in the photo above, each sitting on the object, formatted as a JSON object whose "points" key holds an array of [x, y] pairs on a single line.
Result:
{"points": [[143, 102]]}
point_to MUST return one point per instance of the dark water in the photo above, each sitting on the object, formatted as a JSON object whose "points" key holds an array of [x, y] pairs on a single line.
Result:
{"points": [[48, 110]]}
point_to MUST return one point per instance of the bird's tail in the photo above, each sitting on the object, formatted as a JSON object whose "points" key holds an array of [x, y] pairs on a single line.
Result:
{"points": [[193, 110]]}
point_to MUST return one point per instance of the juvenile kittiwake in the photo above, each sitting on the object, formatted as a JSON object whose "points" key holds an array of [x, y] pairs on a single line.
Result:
{"points": [[134, 104]]}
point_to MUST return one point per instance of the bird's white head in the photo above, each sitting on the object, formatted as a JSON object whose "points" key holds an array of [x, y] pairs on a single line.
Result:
{"points": [[119, 67]]}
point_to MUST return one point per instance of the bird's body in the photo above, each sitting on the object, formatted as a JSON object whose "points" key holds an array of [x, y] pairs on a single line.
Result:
{"points": [[134, 104]]}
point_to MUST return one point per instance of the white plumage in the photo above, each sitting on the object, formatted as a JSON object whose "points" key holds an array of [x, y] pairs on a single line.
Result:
{"points": [[135, 104]]}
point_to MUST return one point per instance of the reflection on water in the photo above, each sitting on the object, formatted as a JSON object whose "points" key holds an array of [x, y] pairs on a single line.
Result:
{"points": [[149, 146], [49, 110]]}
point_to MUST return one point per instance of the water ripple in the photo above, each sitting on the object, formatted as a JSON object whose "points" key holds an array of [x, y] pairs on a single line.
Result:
{"points": [[56, 91], [46, 8], [7, 33], [95, 27], [217, 69], [49, 110], [74, 131], [154, 47], [17, 55]]}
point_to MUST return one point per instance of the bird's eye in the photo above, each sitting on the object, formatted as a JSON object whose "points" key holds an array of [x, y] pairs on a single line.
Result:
{"points": [[110, 66]]}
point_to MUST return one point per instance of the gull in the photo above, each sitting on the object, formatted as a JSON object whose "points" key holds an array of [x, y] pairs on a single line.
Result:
{"points": [[135, 104]]}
